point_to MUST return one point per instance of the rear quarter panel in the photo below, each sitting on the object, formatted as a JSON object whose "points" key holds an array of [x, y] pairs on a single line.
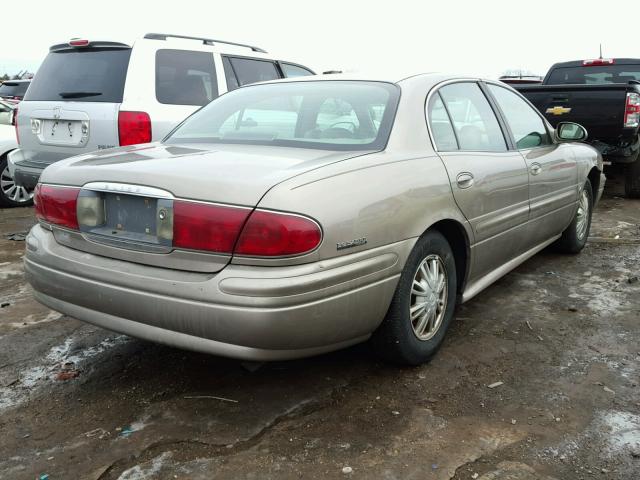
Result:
{"points": [[382, 198]]}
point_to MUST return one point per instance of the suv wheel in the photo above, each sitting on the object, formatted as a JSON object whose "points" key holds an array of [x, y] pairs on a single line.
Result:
{"points": [[422, 306], [11, 195]]}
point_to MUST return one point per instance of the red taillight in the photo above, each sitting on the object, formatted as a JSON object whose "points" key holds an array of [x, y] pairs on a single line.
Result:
{"points": [[134, 128], [598, 62], [271, 234], [203, 226], [57, 205], [15, 124], [79, 42], [632, 111], [37, 203], [218, 228]]}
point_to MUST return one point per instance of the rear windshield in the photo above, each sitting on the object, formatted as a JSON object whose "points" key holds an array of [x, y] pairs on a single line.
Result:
{"points": [[595, 75], [82, 75], [13, 89], [331, 115]]}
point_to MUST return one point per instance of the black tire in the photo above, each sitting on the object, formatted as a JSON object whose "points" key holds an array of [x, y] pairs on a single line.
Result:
{"points": [[572, 241], [395, 339], [632, 179], [6, 201]]}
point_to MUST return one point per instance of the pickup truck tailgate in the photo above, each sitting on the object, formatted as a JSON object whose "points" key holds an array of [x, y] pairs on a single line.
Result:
{"points": [[600, 108]]}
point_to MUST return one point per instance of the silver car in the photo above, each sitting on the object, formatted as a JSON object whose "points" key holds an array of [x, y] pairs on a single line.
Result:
{"points": [[297, 217], [94, 94]]}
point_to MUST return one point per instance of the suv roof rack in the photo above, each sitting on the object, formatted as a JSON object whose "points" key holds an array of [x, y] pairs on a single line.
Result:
{"points": [[206, 41]]}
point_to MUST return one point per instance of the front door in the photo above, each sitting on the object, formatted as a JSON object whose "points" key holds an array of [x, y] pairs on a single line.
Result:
{"points": [[553, 173], [490, 183]]}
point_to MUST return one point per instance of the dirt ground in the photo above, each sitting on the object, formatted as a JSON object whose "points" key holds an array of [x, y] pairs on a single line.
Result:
{"points": [[561, 333]]}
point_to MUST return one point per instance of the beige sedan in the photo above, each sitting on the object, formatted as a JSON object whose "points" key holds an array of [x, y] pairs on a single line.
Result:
{"points": [[297, 217]]}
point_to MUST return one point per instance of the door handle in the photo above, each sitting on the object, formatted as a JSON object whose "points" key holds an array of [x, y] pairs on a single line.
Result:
{"points": [[535, 169], [464, 180]]}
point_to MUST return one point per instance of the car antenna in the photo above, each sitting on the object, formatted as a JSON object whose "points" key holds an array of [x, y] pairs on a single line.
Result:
{"points": [[600, 51]]}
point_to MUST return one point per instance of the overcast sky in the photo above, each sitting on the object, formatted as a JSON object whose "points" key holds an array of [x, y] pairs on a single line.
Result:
{"points": [[484, 37]]}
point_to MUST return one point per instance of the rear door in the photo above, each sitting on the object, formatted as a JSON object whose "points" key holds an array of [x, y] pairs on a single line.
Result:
{"points": [[71, 106], [553, 173], [489, 182]]}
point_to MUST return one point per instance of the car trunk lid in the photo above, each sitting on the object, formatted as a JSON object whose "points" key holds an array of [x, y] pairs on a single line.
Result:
{"points": [[135, 189]]}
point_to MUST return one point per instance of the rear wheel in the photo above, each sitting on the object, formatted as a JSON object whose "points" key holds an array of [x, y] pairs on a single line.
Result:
{"points": [[575, 236], [632, 179], [11, 195], [422, 306]]}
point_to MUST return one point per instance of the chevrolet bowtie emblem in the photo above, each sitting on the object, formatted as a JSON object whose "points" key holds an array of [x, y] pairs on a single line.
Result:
{"points": [[558, 110]]}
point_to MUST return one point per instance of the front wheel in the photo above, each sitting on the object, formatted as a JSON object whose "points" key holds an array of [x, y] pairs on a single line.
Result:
{"points": [[12, 195], [422, 306], [575, 236]]}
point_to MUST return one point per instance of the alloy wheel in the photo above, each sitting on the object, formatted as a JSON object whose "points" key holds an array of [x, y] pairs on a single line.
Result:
{"points": [[429, 293], [582, 216], [12, 191]]}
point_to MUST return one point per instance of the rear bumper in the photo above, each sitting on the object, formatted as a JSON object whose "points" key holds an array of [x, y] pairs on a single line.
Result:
{"points": [[251, 313], [619, 154], [24, 174]]}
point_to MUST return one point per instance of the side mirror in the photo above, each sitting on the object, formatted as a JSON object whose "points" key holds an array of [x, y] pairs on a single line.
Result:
{"points": [[571, 132]]}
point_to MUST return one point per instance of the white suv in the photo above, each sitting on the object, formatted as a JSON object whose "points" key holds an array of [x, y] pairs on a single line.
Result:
{"points": [[93, 95]]}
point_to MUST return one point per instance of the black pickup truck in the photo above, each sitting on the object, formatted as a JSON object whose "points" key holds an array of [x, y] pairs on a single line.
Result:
{"points": [[603, 95]]}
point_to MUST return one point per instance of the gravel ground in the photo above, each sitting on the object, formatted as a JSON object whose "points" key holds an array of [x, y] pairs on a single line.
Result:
{"points": [[561, 334]]}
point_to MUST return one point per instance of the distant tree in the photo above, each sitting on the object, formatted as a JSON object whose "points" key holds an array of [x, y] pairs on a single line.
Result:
{"points": [[4, 77]]}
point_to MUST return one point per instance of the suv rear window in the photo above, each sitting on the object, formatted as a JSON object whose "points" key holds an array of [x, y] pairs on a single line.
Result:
{"points": [[84, 75], [185, 77], [13, 89], [595, 75]]}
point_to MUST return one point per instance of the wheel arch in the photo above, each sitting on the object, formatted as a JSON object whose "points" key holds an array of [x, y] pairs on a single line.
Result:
{"points": [[455, 233], [594, 178]]}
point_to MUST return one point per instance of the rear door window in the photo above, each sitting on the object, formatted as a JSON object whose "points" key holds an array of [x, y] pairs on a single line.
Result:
{"points": [[441, 128], [251, 70], [81, 75], [292, 71], [475, 123], [185, 77]]}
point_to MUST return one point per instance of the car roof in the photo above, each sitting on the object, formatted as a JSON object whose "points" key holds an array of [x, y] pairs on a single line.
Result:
{"points": [[396, 78], [10, 82]]}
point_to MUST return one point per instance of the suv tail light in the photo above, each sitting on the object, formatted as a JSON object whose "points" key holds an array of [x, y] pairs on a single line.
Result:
{"points": [[239, 231], [632, 111], [134, 128], [598, 62], [57, 205]]}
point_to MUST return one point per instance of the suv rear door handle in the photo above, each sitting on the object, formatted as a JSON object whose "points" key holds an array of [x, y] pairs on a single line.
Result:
{"points": [[464, 180], [536, 168]]}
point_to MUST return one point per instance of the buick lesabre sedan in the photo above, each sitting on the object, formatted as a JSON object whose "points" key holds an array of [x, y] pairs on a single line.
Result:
{"points": [[297, 217]]}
